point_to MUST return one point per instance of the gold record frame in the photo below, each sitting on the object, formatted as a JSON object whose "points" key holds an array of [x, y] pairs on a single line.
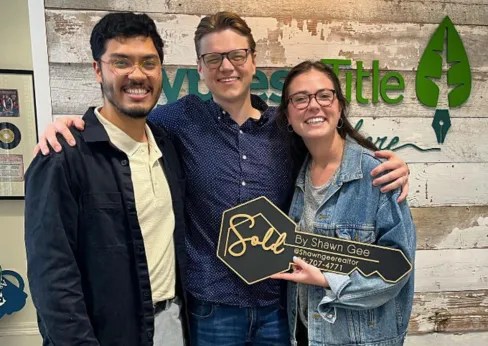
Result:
{"points": [[18, 130]]}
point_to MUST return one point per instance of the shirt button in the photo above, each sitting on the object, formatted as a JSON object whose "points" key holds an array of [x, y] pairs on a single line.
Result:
{"points": [[140, 249], [124, 162], [240, 131], [243, 183], [149, 334], [244, 157], [223, 112], [130, 206], [146, 294], [218, 117]]}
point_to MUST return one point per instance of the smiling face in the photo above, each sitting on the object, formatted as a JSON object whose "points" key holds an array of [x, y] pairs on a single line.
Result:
{"points": [[135, 94], [228, 83], [315, 121]]}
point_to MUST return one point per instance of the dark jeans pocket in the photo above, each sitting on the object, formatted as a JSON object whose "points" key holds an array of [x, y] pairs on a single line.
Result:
{"points": [[200, 309]]}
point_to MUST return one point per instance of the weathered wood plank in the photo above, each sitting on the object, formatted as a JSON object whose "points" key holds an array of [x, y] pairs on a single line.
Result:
{"points": [[460, 11], [437, 339], [73, 86], [449, 312], [461, 143], [442, 184], [279, 42], [451, 227], [451, 270]]}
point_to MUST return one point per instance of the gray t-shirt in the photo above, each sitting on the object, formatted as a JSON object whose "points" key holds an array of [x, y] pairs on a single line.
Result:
{"points": [[313, 197]]}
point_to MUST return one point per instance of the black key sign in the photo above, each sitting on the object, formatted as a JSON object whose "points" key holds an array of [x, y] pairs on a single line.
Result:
{"points": [[258, 240]]}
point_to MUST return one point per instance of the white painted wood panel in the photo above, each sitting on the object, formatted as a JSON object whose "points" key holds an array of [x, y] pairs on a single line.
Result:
{"points": [[279, 42], [463, 142], [417, 11], [456, 184], [451, 270], [438, 339], [451, 227]]}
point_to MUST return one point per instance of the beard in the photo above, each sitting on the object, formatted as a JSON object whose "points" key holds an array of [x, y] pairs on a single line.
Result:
{"points": [[135, 112]]}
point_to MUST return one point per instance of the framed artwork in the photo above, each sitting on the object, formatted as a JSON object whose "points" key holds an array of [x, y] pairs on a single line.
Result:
{"points": [[18, 130]]}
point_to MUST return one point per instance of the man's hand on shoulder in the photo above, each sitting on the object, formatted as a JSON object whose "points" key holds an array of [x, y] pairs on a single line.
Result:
{"points": [[61, 126], [397, 177]]}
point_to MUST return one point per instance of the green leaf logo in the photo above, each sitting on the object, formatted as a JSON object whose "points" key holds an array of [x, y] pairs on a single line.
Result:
{"points": [[430, 67]]}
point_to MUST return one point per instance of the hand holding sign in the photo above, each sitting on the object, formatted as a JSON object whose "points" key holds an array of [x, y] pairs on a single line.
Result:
{"points": [[258, 240], [303, 273]]}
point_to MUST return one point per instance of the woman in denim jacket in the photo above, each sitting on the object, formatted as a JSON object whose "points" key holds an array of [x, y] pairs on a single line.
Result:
{"points": [[334, 196]]}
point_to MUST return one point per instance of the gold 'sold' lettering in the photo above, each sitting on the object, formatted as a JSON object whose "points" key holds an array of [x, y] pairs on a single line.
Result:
{"points": [[265, 243]]}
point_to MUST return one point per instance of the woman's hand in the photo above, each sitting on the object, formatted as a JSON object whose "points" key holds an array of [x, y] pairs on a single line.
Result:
{"points": [[303, 273]]}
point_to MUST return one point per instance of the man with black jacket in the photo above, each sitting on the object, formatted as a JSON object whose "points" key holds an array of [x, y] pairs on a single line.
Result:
{"points": [[104, 220]]}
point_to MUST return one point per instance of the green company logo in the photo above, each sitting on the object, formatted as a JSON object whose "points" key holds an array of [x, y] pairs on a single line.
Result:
{"points": [[429, 70], [458, 75]]}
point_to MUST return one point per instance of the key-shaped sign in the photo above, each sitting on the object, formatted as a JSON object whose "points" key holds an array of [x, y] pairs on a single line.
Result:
{"points": [[258, 240]]}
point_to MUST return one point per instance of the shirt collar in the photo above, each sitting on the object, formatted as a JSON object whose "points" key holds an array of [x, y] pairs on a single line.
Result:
{"points": [[118, 137], [124, 142], [95, 132], [256, 103]]}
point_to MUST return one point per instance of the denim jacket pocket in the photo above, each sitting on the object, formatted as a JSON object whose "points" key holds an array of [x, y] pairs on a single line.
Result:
{"points": [[325, 229], [362, 234]]}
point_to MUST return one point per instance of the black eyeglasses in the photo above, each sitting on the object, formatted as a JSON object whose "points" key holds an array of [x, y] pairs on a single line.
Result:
{"points": [[237, 57], [301, 100]]}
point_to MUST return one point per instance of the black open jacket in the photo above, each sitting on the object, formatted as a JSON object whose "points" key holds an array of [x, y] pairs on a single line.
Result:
{"points": [[87, 267]]}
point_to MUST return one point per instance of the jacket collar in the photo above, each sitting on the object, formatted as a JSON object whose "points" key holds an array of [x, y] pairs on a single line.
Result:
{"points": [[351, 165], [95, 132]]}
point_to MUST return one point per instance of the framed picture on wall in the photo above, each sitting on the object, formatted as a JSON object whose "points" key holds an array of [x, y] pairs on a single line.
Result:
{"points": [[18, 130]]}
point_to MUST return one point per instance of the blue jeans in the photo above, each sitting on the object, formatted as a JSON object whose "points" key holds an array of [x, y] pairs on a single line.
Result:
{"points": [[225, 325]]}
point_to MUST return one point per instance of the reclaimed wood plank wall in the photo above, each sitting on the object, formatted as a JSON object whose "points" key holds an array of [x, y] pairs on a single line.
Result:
{"points": [[448, 189]]}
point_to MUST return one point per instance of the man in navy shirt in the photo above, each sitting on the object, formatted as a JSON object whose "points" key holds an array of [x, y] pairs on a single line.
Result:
{"points": [[232, 151]]}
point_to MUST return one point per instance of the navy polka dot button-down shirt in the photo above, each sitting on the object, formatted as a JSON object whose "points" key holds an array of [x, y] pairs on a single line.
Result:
{"points": [[225, 165]]}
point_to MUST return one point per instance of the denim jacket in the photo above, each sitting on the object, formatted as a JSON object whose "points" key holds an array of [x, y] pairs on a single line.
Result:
{"points": [[356, 310]]}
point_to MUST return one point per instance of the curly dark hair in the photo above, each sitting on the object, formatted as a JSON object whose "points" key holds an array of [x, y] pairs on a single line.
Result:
{"points": [[123, 24], [296, 146]]}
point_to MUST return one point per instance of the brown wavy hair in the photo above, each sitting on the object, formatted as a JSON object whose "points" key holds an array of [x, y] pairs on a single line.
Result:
{"points": [[296, 146]]}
